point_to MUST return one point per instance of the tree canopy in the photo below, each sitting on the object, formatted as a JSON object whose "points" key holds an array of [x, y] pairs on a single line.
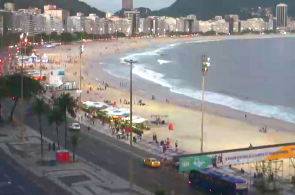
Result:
{"points": [[30, 86]]}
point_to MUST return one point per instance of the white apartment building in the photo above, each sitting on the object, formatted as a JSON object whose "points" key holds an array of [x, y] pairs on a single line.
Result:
{"points": [[96, 21], [292, 25], [170, 24], [1, 24], [257, 24], [205, 26], [89, 26], [195, 26], [52, 24], [221, 26], [181, 25], [144, 25], [121, 24], [77, 23], [58, 14], [192, 17], [27, 23]]}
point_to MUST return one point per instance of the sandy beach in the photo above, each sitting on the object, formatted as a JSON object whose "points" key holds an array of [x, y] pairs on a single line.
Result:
{"points": [[224, 128]]}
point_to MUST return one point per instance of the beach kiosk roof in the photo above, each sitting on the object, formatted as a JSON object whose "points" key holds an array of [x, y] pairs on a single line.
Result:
{"points": [[139, 120]]}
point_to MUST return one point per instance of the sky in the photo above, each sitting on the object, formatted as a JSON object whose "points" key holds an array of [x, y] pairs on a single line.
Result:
{"points": [[115, 5]]}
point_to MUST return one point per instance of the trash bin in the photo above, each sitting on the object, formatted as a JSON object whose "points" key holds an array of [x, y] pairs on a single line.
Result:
{"points": [[62, 156]]}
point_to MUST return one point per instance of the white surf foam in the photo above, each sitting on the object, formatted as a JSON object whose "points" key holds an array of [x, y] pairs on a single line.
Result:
{"points": [[156, 52], [151, 76], [115, 75], [163, 62], [278, 112]]}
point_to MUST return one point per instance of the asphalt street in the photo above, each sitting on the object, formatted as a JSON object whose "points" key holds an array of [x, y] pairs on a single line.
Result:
{"points": [[113, 155], [15, 180]]}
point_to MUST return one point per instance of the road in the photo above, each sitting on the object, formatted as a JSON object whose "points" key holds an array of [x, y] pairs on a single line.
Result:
{"points": [[14, 180], [113, 155]]}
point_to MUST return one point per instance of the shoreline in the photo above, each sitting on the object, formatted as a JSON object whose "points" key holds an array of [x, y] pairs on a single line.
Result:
{"points": [[217, 116]]}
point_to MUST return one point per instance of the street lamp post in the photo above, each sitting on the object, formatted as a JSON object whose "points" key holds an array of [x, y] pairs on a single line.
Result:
{"points": [[22, 88], [22, 75], [81, 52], [131, 62], [205, 66]]}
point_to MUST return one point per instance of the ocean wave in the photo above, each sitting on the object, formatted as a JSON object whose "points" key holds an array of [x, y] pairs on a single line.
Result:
{"points": [[269, 111], [156, 52], [115, 75], [163, 62], [151, 76]]}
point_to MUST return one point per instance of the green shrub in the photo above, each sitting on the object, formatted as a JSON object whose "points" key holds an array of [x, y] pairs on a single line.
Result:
{"points": [[160, 191]]}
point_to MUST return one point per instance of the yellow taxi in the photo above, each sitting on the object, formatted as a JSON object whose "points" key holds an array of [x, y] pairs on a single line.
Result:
{"points": [[152, 162]]}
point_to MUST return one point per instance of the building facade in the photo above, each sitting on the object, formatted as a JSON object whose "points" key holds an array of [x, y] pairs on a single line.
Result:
{"points": [[282, 14], [133, 16], [127, 4], [58, 14]]}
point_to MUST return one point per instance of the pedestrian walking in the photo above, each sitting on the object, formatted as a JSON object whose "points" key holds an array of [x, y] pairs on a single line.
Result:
{"points": [[88, 128], [53, 146], [176, 146], [164, 148], [93, 121]]}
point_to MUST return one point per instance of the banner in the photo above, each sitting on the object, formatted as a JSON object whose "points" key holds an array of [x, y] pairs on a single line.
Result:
{"points": [[236, 157]]}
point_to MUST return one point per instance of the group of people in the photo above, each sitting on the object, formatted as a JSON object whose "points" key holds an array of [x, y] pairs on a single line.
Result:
{"points": [[165, 144]]}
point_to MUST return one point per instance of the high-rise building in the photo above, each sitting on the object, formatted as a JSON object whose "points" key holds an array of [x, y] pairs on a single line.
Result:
{"points": [[89, 26], [77, 23], [59, 14], [127, 4], [133, 16], [96, 26], [282, 12]]}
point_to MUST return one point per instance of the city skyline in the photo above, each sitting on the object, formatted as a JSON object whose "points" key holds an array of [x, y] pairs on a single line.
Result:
{"points": [[115, 5]]}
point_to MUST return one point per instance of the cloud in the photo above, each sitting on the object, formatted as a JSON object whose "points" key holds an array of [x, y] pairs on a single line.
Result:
{"points": [[115, 5]]}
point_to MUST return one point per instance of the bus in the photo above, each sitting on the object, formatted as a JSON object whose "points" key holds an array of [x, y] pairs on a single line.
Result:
{"points": [[214, 181]]}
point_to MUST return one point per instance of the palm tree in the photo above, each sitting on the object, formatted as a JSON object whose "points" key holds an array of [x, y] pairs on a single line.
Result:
{"points": [[56, 117], [67, 104], [75, 142], [38, 108]]}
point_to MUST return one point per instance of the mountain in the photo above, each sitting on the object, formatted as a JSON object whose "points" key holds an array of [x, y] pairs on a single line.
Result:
{"points": [[207, 9], [73, 6]]}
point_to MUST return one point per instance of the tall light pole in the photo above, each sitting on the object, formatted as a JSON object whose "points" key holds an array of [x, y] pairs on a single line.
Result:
{"points": [[22, 88], [205, 66], [81, 52], [131, 62], [21, 71]]}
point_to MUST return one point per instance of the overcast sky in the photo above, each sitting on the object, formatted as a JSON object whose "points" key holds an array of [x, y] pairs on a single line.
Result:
{"points": [[115, 5]]}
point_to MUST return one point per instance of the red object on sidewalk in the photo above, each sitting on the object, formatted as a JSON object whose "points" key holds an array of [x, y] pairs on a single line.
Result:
{"points": [[62, 156], [170, 127]]}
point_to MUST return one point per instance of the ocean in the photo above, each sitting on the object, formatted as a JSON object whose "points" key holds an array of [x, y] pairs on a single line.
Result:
{"points": [[256, 76]]}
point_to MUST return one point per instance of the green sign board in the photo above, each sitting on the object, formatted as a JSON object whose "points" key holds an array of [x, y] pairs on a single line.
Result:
{"points": [[194, 163]]}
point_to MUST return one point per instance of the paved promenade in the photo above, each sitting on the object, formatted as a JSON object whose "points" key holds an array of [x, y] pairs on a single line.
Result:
{"points": [[78, 178]]}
